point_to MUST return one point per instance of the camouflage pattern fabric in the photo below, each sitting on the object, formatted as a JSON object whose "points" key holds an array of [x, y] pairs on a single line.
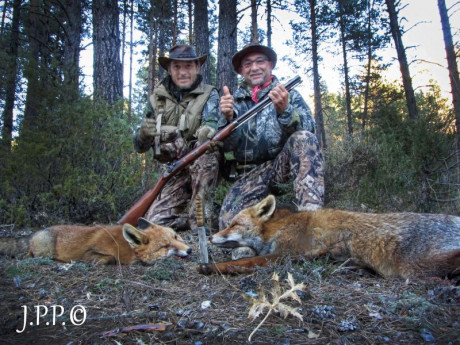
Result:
{"points": [[263, 137], [282, 147], [172, 207]]}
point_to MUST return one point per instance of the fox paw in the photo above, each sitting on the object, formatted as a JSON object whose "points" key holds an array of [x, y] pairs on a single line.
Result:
{"points": [[205, 269]]}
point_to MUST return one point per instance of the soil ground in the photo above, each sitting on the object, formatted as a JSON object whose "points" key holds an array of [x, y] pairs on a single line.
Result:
{"points": [[341, 304]]}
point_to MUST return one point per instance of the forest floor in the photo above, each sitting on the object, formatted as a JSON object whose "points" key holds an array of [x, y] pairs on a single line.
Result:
{"points": [[341, 304]]}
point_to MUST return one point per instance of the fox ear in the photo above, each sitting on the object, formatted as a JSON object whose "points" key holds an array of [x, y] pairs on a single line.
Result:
{"points": [[143, 223], [265, 208], [133, 236]]}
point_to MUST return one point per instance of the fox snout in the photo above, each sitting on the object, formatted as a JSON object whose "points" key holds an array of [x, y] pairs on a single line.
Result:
{"points": [[181, 253], [226, 240]]}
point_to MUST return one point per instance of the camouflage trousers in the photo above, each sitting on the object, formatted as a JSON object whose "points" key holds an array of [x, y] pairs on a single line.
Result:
{"points": [[300, 161], [175, 206]]}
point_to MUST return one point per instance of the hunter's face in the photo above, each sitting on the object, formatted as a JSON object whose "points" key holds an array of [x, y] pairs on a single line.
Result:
{"points": [[183, 73], [256, 69]]}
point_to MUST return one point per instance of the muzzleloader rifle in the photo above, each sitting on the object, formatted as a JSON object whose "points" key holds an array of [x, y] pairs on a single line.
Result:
{"points": [[141, 206]]}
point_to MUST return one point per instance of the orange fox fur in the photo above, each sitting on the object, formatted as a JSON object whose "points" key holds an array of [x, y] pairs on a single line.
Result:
{"points": [[394, 244], [104, 244]]}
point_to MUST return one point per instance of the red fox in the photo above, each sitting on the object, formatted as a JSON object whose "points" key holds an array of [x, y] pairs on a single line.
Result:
{"points": [[102, 244], [402, 245]]}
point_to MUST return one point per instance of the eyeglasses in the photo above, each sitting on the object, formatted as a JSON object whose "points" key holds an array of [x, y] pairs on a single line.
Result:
{"points": [[259, 62]]}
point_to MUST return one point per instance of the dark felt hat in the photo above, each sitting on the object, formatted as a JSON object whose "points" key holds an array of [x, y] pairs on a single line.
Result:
{"points": [[253, 48], [181, 52]]}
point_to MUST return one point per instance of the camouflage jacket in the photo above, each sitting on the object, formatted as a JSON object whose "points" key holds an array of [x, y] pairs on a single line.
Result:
{"points": [[262, 137], [209, 114]]}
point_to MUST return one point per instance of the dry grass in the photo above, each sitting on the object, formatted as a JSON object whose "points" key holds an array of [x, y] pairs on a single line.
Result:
{"points": [[341, 304]]}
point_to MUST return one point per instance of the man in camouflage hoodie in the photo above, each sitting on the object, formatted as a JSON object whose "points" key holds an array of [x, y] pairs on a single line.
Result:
{"points": [[276, 146], [186, 112]]}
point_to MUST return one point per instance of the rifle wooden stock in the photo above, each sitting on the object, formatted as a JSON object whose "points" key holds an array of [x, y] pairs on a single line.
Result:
{"points": [[141, 206]]}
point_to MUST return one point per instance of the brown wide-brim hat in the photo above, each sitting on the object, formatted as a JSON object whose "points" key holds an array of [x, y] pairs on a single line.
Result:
{"points": [[181, 52], [253, 48]]}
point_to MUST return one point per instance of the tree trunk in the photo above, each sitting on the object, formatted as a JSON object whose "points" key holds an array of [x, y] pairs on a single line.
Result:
{"points": [[345, 69], [164, 15], [131, 55], [36, 34], [123, 38], [191, 36], [254, 26], [451, 64], [227, 44], [72, 43], [2, 28], [11, 79], [368, 67], [269, 23], [175, 23], [202, 36], [404, 66], [108, 71], [153, 45], [320, 131]]}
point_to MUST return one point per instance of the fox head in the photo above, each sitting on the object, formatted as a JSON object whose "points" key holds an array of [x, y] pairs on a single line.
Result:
{"points": [[247, 228], [152, 242]]}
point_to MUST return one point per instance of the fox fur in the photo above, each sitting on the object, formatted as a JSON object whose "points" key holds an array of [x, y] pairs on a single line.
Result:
{"points": [[401, 245], [101, 243]]}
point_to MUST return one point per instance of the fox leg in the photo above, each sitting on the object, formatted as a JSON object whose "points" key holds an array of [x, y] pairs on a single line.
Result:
{"points": [[245, 265], [98, 258]]}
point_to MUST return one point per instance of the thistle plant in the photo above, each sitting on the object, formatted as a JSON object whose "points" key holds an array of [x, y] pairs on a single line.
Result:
{"points": [[262, 303]]}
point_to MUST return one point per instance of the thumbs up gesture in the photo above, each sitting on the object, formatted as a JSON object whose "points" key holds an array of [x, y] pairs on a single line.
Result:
{"points": [[226, 104]]}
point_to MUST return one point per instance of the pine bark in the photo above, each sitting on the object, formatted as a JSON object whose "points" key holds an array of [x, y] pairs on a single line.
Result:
{"points": [[451, 64], [201, 28], [191, 35], [153, 47], [368, 67], [269, 23], [227, 44], [320, 131], [108, 71], [72, 41], [163, 40], [254, 26], [403, 64], [37, 33], [345, 69], [11, 79], [131, 57]]}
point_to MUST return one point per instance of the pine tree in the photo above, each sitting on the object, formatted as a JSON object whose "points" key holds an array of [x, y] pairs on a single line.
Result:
{"points": [[227, 44], [307, 36], [201, 29], [108, 71], [452, 65], [403, 64], [11, 78]]}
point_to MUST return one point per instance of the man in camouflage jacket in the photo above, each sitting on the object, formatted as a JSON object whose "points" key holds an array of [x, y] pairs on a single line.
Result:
{"points": [[186, 113], [276, 146]]}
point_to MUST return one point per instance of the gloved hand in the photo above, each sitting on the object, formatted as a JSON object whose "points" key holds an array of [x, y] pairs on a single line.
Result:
{"points": [[148, 128], [205, 132]]}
